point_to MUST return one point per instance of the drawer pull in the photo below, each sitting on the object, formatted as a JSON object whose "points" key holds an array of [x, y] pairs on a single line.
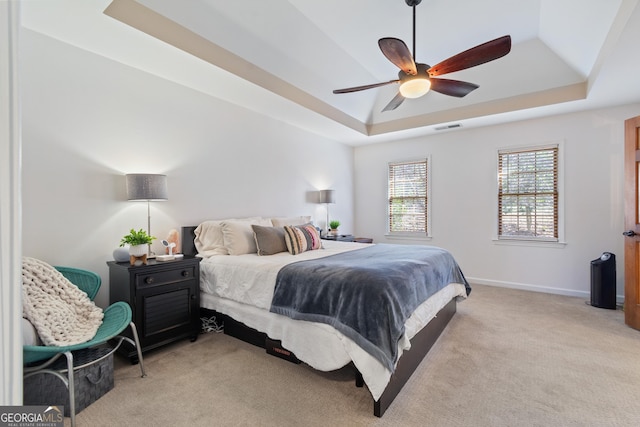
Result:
{"points": [[185, 273], [148, 280]]}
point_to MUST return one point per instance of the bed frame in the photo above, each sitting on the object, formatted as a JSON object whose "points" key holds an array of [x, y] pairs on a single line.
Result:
{"points": [[421, 343]]}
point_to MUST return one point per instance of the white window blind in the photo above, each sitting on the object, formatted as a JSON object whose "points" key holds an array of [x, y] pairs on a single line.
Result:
{"points": [[528, 194], [408, 197]]}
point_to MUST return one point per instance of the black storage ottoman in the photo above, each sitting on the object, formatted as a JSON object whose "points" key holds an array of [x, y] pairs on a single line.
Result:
{"points": [[91, 382]]}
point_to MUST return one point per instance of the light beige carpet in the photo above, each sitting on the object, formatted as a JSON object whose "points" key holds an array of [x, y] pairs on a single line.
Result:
{"points": [[508, 358]]}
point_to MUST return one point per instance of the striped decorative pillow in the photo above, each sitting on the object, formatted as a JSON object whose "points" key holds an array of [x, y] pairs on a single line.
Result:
{"points": [[301, 238]]}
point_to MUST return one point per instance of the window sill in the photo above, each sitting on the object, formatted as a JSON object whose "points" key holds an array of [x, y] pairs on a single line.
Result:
{"points": [[529, 243]]}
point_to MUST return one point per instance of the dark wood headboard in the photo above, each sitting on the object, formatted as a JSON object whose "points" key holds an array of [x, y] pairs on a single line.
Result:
{"points": [[187, 237]]}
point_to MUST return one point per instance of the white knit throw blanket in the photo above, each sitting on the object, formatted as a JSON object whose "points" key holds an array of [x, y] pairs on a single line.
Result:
{"points": [[61, 313]]}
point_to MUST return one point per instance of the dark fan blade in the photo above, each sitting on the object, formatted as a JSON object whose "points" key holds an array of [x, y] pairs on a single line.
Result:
{"points": [[397, 52], [357, 88], [394, 103], [480, 54], [452, 87]]}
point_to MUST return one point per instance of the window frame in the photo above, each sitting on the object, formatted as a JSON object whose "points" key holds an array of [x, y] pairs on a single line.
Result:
{"points": [[411, 234], [526, 240]]}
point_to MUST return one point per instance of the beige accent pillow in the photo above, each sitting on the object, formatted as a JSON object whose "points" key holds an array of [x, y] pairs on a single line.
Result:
{"points": [[238, 236], [295, 220], [209, 240], [269, 240]]}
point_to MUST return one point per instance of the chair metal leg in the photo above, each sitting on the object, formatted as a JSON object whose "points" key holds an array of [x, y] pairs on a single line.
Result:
{"points": [[71, 387], [134, 330]]}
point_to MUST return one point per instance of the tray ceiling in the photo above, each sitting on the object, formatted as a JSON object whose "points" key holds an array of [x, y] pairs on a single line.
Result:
{"points": [[283, 58]]}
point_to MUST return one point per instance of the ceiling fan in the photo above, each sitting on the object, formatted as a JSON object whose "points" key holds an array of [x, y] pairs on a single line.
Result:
{"points": [[416, 78]]}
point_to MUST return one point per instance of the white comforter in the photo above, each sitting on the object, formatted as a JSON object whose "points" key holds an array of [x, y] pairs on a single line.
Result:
{"points": [[251, 279], [242, 287]]}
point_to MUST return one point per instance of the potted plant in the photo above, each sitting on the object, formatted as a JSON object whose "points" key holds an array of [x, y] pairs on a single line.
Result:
{"points": [[333, 225], [138, 242]]}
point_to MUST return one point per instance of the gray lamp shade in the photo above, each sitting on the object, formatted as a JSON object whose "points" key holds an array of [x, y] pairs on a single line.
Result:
{"points": [[327, 196], [141, 186]]}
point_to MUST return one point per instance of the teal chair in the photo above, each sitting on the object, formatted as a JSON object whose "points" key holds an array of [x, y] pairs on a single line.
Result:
{"points": [[116, 319]]}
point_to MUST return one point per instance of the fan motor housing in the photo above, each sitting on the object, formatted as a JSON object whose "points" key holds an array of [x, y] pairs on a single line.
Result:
{"points": [[421, 68]]}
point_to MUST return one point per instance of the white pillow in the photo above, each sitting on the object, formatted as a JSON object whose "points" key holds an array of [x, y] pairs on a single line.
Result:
{"points": [[209, 240], [238, 235], [29, 334], [295, 220]]}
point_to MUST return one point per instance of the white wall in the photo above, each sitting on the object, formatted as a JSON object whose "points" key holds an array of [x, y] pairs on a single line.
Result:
{"points": [[464, 202], [88, 120]]}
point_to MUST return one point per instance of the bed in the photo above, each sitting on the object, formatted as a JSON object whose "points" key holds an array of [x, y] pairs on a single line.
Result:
{"points": [[292, 301]]}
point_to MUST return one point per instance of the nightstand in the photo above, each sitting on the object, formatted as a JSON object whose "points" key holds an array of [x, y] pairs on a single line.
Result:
{"points": [[363, 240], [339, 237], [164, 297]]}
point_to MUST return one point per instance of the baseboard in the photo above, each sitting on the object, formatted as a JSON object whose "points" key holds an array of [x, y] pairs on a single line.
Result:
{"points": [[535, 288]]}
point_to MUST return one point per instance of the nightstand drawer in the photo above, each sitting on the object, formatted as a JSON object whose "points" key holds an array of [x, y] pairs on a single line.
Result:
{"points": [[155, 278]]}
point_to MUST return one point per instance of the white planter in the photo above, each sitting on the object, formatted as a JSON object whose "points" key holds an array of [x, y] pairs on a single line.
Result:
{"points": [[138, 250]]}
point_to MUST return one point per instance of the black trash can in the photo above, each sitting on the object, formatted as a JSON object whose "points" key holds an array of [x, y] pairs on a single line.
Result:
{"points": [[603, 281]]}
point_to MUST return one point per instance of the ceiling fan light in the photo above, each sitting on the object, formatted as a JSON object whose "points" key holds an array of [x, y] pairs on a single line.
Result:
{"points": [[415, 88]]}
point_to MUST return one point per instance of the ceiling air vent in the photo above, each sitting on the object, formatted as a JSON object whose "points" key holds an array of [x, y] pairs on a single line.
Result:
{"points": [[454, 126]]}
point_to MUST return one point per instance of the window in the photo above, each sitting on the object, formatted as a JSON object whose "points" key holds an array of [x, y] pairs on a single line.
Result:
{"points": [[408, 197], [528, 194]]}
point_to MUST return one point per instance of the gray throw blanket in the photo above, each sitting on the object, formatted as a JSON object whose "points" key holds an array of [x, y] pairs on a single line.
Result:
{"points": [[366, 294]]}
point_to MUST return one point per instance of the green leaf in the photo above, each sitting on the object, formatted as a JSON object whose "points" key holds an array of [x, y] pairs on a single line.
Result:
{"points": [[134, 237]]}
